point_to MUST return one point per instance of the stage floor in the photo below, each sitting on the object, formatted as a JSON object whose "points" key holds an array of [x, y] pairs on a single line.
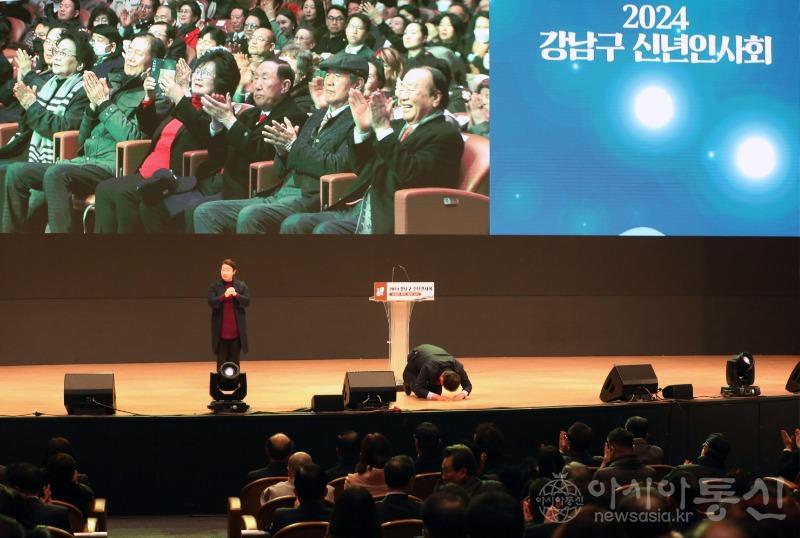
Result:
{"points": [[281, 386]]}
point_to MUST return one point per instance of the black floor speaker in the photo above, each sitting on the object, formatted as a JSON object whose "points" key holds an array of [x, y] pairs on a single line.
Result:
{"points": [[369, 389], [793, 383], [678, 392], [628, 382], [89, 394], [327, 402]]}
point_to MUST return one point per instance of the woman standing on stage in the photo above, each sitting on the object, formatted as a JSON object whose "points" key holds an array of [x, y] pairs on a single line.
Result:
{"points": [[228, 297]]}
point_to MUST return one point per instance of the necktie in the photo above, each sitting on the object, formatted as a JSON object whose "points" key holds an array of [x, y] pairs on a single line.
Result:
{"points": [[325, 119], [406, 132], [262, 117]]}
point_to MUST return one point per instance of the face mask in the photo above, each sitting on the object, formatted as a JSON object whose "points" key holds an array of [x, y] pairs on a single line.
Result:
{"points": [[443, 5], [482, 35], [99, 51]]}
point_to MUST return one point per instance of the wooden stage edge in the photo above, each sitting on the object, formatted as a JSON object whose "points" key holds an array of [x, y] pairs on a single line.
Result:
{"points": [[286, 385]]}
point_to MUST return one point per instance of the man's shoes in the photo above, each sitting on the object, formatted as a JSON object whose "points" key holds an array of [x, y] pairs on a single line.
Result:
{"points": [[407, 388]]}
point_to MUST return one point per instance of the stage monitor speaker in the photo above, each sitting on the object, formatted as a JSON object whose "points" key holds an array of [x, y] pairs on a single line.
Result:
{"points": [[678, 392], [369, 389], [327, 402], [89, 394], [630, 382], [793, 383]]}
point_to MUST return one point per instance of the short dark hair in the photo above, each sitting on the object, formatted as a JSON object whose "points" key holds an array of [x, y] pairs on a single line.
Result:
{"points": [[263, 20], [451, 380], [310, 483], [5, 33], [113, 19], [444, 515], [196, 11], [225, 81], [375, 452], [56, 445], [229, 262], [423, 28], [428, 436], [84, 54], [493, 514], [620, 437], [580, 437], [172, 11], [347, 444], [490, 439], [61, 468], [463, 458], [379, 69], [412, 10], [363, 18], [170, 29], [156, 46], [399, 471], [355, 515], [26, 477], [285, 71], [217, 34], [340, 9], [277, 451], [638, 426]]}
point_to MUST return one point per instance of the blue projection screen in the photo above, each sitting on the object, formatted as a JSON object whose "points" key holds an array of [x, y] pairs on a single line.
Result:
{"points": [[626, 118]]}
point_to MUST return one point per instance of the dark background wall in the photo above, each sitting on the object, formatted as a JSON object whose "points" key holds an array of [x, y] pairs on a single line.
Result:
{"points": [[142, 298]]}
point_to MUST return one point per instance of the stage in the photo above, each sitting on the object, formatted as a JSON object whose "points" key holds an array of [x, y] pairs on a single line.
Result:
{"points": [[174, 457], [284, 386]]}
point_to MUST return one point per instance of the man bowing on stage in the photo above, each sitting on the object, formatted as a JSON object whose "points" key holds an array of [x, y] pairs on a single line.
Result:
{"points": [[430, 368]]}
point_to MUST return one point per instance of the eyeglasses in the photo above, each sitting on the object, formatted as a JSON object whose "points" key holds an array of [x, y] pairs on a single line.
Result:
{"points": [[336, 19], [251, 26], [65, 53], [259, 39], [203, 74]]}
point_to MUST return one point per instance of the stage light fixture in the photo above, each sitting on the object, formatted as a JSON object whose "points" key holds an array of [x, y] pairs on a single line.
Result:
{"points": [[740, 373], [228, 388]]}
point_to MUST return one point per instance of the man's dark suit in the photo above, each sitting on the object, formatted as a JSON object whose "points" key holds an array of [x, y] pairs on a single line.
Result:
{"points": [[398, 506], [624, 471], [429, 157], [240, 302], [789, 464], [246, 145], [273, 469], [423, 370], [52, 515], [429, 462], [330, 43], [76, 494], [307, 511], [704, 468]]}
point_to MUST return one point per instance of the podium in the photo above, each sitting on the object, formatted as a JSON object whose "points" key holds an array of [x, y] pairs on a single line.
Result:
{"points": [[398, 299]]}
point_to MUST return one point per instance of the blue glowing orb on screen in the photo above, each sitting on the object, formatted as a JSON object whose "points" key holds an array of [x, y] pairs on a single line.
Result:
{"points": [[657, 119]]}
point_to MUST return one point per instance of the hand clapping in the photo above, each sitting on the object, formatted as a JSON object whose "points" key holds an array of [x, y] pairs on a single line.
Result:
{"points": [[230, 292], [96, 89], [24, 94], [281, 135], [24, 64], [219, 108]]}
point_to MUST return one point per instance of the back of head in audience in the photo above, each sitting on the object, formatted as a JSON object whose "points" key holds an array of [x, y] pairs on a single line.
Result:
{"points": [[494, 514], [638, 426], [427, 437], [56, 445], [310, 483], [620, 442], [399, 473], [580, 437], [490, 440], [645, 507], [61, 468], [375, 452], [297, 460], [444, 515], [279, 447], [717, 447], [26, 478], [355, 515], [347, 446], [549, 461]]}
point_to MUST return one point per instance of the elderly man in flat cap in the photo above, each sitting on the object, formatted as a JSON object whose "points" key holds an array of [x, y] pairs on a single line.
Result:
{"points": [[301, 157]]}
